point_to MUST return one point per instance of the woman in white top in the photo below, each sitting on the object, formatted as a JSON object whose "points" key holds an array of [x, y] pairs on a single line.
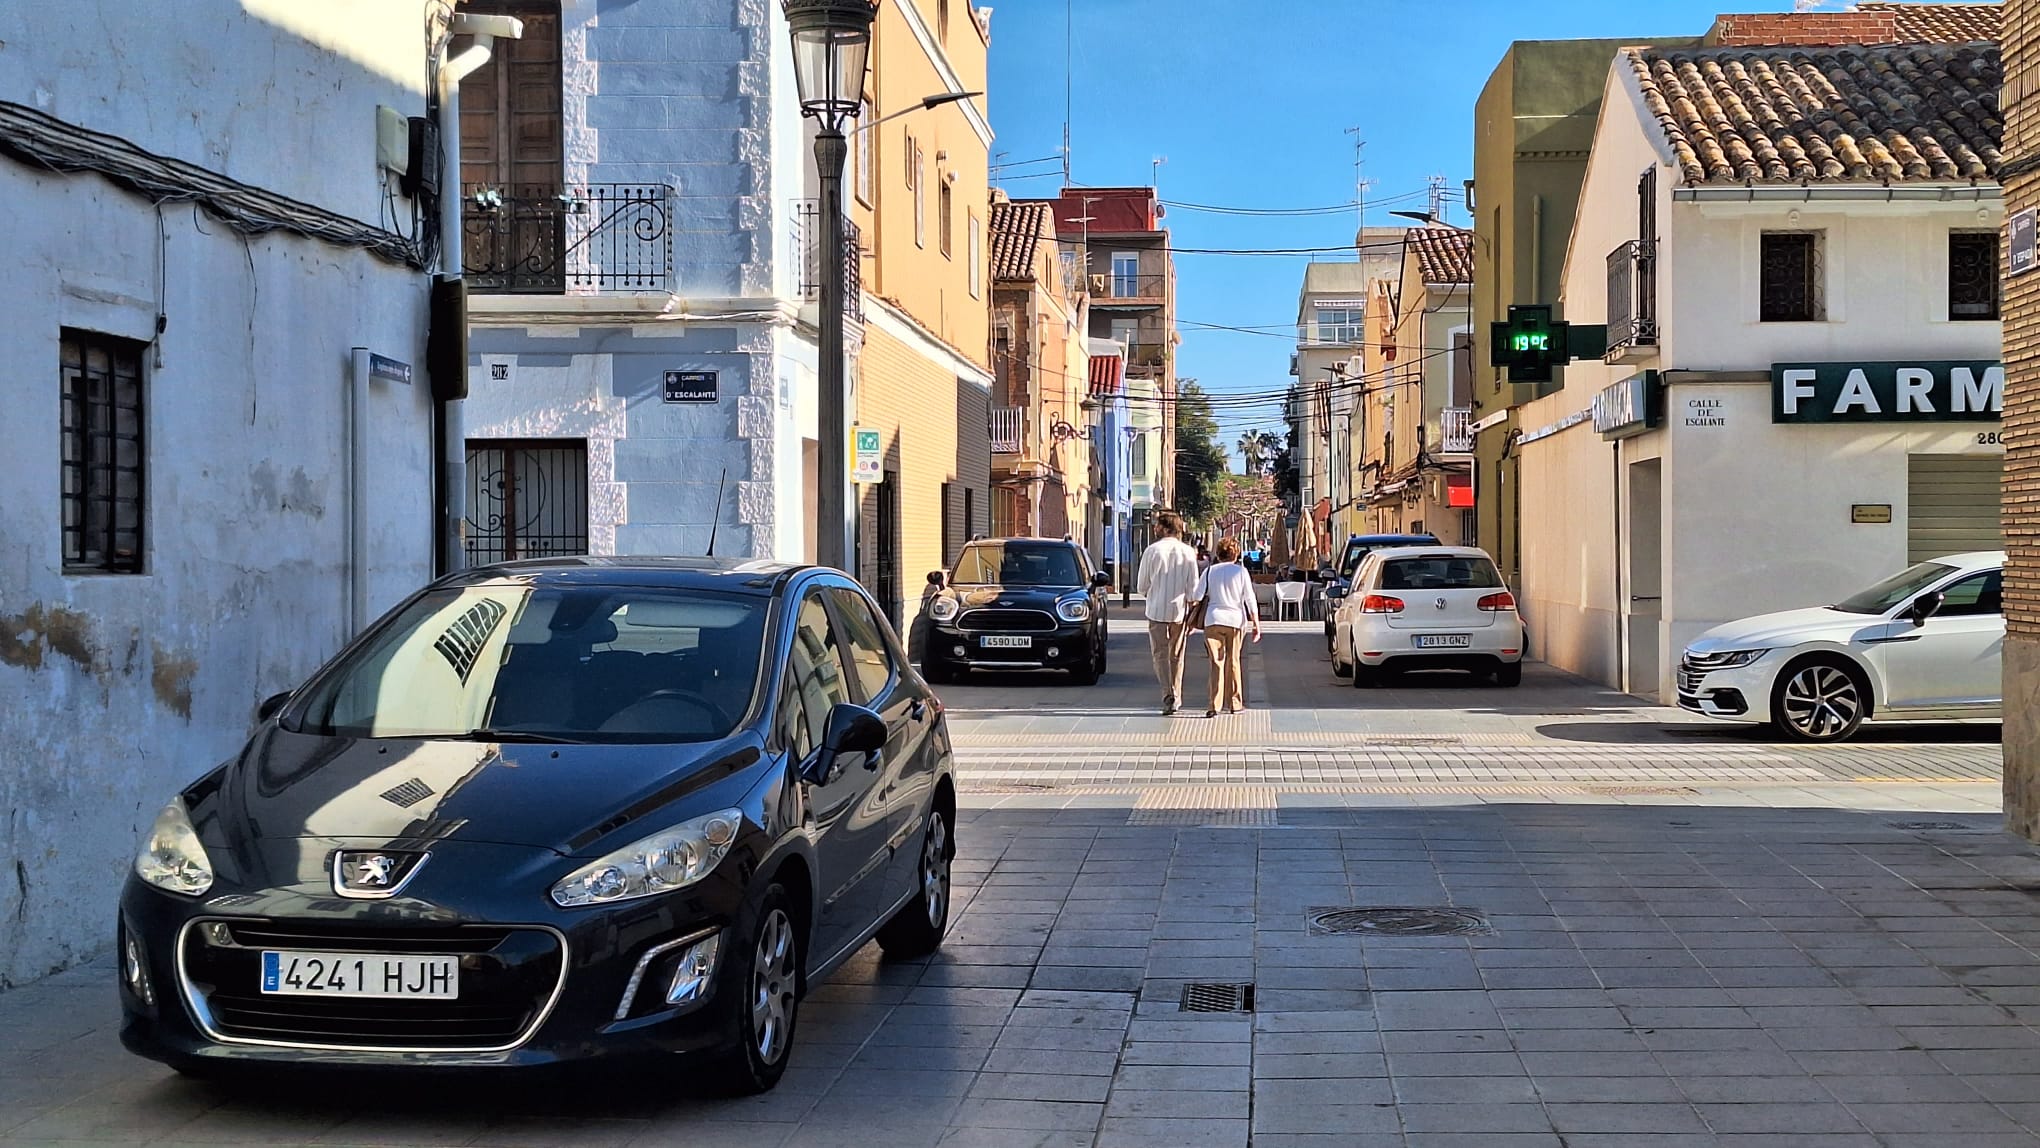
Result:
{"points": [[1230, 612]]}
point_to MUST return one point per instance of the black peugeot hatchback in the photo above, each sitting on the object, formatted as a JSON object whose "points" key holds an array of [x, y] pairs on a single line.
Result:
{"points": [[549, 811]]}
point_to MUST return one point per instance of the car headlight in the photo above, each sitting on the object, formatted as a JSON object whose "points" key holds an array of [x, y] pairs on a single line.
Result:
{"points": [[171, 857], [1073, 610], [669, 859], [1726, 659], [942, 609]]}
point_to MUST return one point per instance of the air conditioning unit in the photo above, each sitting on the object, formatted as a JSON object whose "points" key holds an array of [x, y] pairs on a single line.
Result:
{"points": [[1097, 284]]}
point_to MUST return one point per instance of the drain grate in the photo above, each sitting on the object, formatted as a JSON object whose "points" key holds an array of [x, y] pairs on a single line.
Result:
{"points": [[1398, 921], [1215, 996], [1938, 827]]}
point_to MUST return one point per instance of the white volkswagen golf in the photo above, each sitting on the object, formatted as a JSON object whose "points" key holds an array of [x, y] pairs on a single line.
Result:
{"points": [[1428, 608], [1925, 643]]}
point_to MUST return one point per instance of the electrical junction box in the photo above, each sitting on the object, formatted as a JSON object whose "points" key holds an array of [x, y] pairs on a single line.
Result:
{"points": [[422, 177], [392, 141]]}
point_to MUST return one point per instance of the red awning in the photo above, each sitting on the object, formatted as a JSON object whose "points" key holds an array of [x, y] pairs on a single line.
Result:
{"points": [[1105, 374], [1459, 490]]}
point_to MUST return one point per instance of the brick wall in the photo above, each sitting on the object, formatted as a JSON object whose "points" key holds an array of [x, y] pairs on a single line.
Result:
{"points": [[1751, 29], [2021, 104]]}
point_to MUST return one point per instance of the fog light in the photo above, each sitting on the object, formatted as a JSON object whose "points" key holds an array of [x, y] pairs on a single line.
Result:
{"points": [[696, 969], [1054, 653], [960, 652], [218, 935], [134, 970]]}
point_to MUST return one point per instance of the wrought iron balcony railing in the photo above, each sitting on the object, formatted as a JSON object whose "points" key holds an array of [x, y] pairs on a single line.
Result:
{"points": [[1455, 430], [1008, 428], [1108, 288], [544, 240], [1632, 299], [807, 228]]}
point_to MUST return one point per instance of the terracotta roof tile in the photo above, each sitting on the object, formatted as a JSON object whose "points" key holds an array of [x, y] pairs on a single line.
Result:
{"points": [[1017, 231], [1444, 254], [1941, 23], [1842, 115]]}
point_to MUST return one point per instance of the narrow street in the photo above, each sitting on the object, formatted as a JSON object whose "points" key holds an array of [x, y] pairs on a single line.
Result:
{"points": [[1606, 925]]}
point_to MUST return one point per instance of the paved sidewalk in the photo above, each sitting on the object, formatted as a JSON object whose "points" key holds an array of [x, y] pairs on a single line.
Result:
{"points": [[1652, 978]]}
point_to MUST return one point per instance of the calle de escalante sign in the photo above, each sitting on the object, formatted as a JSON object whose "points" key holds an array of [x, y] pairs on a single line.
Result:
{"points": [[1887, 392]]}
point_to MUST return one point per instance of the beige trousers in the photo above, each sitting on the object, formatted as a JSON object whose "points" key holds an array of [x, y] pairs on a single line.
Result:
{"points": [[1166, 641], [1228, 687]]}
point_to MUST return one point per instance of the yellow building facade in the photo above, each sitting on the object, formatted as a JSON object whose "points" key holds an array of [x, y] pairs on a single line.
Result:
{"points": [[919, 194]]}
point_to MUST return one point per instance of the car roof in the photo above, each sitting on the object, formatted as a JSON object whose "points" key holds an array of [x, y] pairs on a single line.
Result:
{"points": [[1973, 559], [1389, 552], [724, 574], [1381, 538], [1023, 538]]}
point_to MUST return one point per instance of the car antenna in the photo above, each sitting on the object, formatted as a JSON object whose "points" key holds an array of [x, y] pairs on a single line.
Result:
{"points": [[716, 521]]}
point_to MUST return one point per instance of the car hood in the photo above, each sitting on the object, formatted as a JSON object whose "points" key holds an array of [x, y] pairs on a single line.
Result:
{"points": [[1785, 628], [1035, 597], [564, 798]]}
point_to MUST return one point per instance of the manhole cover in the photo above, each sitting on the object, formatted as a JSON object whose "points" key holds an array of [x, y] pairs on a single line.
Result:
{"points": [[1937, 827], [1415, 739], [1210, 996], [1398, 921]]}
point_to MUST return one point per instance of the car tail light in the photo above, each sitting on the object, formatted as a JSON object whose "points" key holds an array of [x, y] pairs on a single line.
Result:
{"points": [[1380, 604], [1501, 601]]}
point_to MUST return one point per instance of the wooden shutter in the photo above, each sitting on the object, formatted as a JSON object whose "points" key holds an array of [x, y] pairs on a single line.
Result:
{"points": [[510, 133]]}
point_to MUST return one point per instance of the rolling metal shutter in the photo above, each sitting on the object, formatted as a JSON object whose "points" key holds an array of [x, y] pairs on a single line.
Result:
{"points": [[1953, 505]]}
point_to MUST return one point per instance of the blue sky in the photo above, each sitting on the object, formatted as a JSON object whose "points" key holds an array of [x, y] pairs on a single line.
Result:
{"points": [[1250, 101]]}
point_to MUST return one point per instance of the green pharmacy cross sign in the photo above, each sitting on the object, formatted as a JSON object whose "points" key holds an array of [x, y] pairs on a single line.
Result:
{"points": [[1532, 343]]}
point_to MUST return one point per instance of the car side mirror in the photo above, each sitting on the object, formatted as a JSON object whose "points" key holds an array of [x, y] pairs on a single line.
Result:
{"points": [[272, 705], [1335, 591], [1925, 606], [937, 578], [851, 729], [1102, 580]]}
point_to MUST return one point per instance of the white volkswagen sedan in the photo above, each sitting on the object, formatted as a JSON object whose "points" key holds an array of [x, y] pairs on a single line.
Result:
{"points": [[1428, 608], [1925, 643]]}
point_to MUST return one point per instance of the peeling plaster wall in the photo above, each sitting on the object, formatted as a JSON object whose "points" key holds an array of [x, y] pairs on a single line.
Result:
{"points": [[117, 690]]}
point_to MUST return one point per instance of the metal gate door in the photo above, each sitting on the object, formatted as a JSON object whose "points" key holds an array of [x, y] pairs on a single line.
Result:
{"points": [[526, 499], [886, 587], [1954, 504]]}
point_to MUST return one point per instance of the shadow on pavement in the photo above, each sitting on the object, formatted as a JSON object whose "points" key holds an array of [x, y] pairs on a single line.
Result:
{"points": [[1925, 733]]}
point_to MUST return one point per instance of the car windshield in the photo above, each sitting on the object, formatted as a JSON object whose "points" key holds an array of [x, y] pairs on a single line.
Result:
{"points": [[509, 662], [1882, 597], [1444, 572], [1357, 550], [1017, 564]]}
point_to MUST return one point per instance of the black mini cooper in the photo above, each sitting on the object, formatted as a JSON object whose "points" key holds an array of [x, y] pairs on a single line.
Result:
{"points": [[1017, 604], [552, 810]]}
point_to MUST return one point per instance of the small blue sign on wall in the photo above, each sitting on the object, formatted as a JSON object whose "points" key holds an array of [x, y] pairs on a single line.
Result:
{"points": [[691, 387]]}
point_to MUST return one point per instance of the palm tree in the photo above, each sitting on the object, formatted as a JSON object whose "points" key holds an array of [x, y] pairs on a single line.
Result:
{"points": [[1255, 447]]}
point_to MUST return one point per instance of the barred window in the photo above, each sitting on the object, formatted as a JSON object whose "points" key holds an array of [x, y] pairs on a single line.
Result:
{"points": [[103, 452], [1790, 287], [1972, 275]]}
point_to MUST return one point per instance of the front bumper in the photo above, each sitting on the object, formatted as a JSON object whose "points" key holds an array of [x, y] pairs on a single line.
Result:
{"points": [[1067, 647], [1736, 693], [538, 985]]}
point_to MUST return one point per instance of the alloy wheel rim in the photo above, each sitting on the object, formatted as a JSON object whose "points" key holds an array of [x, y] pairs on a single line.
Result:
{"points": [[935, 869], [772, 987], [1821, 701]]}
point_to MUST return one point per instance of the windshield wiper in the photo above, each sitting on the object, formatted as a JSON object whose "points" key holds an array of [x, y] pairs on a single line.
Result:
{"points": [[485, 734]]}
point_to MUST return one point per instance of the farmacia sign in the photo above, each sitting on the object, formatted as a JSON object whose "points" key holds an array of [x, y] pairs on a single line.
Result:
{"points": [[1887, 392]]}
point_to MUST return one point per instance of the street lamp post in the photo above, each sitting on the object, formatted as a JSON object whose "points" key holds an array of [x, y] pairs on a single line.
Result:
{"points": [[831, 43]]}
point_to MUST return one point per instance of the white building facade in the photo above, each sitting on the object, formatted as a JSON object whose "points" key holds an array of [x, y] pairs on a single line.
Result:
{"points": [[213, 285], [644, 285], [1801, 388]]}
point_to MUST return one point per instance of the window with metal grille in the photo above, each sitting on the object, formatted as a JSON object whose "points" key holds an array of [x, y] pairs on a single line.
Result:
{"points": [[1790, 286], [104, 452], [526, 499], [945, 199], [1972, 275]]}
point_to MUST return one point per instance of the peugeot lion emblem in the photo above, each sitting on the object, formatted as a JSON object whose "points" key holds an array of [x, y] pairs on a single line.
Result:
{"points": [[372, 874]]}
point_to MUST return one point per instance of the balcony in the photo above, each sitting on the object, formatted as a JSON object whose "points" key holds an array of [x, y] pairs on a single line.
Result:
{"points": [[1109, 290], [1147, 356], [541, 240], [1008, 427], [1455, 430], [807, 232], [1632, 301], [1329, 335]]}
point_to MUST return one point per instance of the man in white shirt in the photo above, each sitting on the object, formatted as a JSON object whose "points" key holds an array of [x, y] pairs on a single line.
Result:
{"points": [[1168, 572]]}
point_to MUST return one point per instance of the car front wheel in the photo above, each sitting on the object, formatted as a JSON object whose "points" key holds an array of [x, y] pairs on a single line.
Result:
{"points": [[917, 929], [765, 1016], [1819, 701]]}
